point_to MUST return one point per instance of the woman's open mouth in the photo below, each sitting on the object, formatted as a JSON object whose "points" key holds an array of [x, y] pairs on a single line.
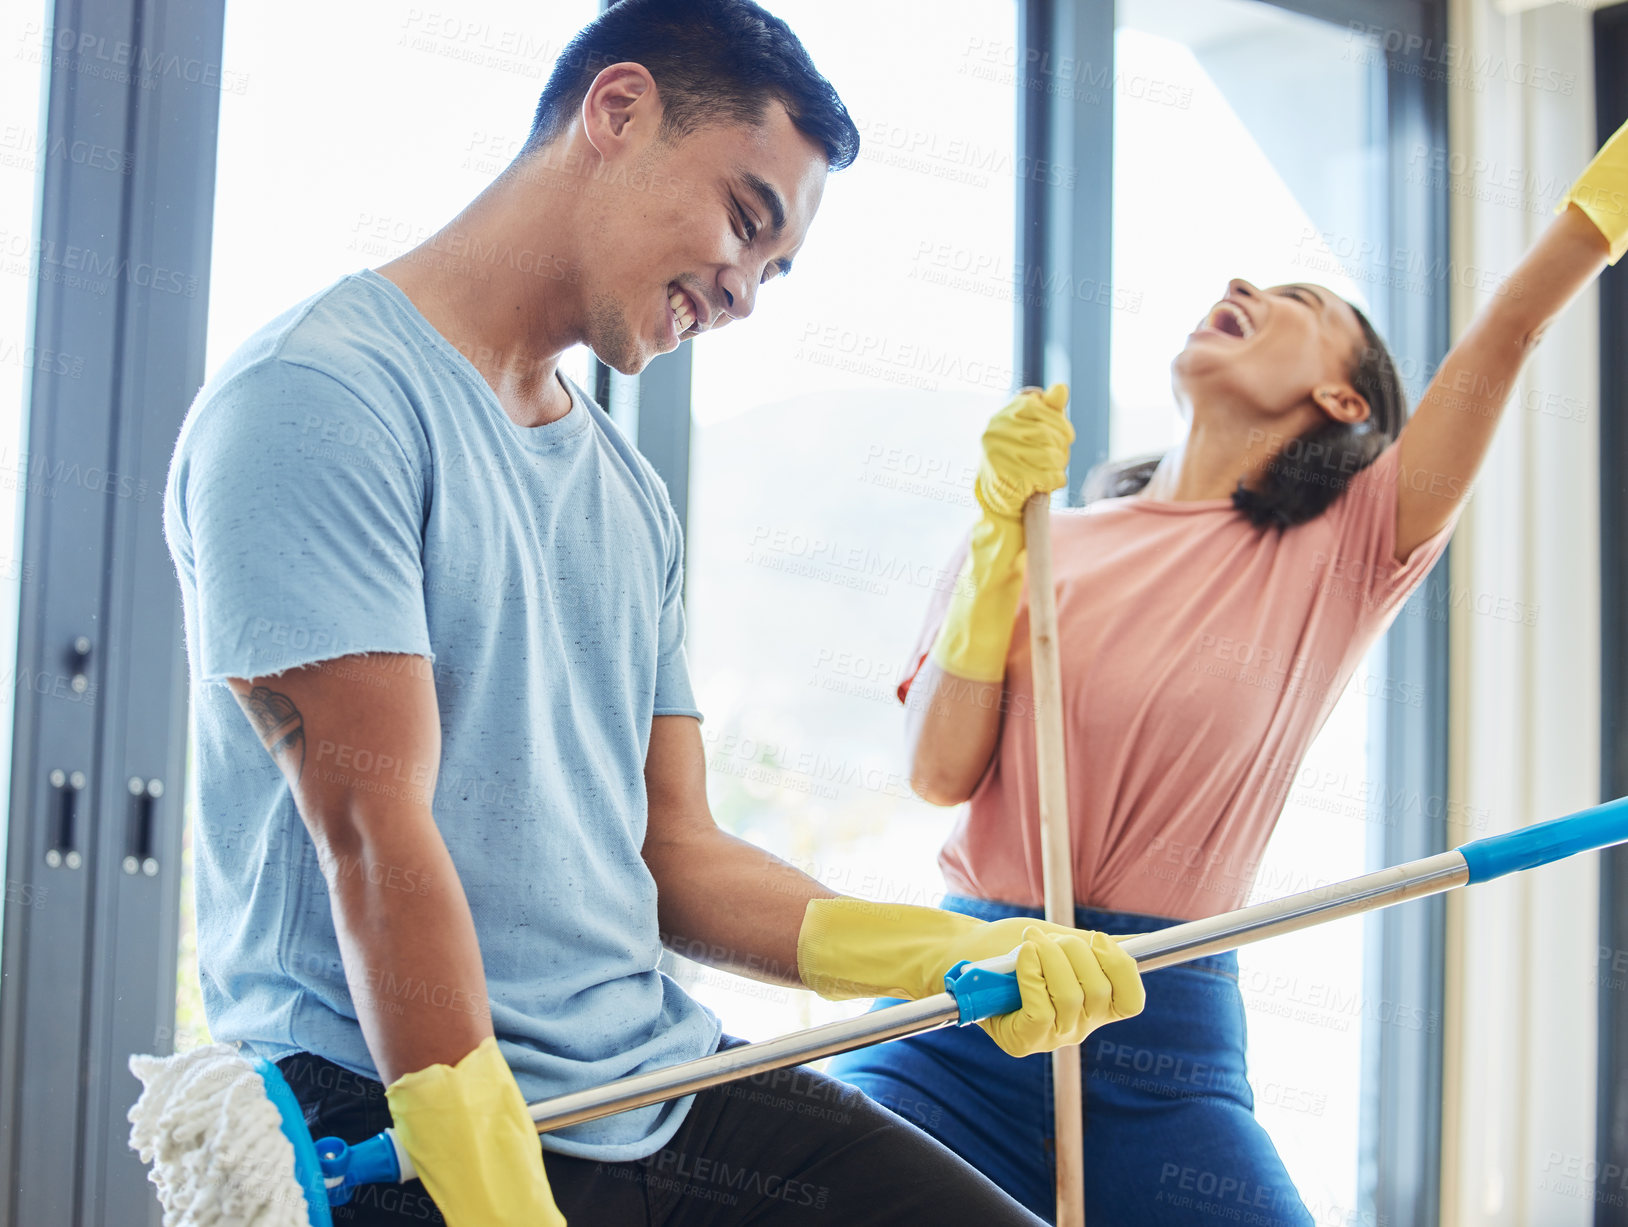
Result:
{"points": [[1230, 319]]}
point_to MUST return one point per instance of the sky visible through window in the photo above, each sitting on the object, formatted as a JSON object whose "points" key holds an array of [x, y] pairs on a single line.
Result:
{"points": [[836, 435]]}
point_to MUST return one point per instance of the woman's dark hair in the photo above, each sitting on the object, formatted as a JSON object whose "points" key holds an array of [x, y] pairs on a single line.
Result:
{"points": [[714, 61], [1311, 470]]}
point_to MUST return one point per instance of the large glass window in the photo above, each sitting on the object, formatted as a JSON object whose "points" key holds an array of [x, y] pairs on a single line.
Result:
{"points": [[343, 151], [835, 438], [1216, 177], [835, 434]]}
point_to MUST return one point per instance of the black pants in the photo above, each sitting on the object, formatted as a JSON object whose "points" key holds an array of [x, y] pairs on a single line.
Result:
{"points": [[788, 1147]]}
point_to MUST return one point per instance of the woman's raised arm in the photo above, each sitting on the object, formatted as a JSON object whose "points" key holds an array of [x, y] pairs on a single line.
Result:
{"points": [[1442, 446]]}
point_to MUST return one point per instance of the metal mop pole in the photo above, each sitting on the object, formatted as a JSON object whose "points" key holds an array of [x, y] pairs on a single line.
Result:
{"points": [[983, 990], [1476, 862], [1056, 845]]}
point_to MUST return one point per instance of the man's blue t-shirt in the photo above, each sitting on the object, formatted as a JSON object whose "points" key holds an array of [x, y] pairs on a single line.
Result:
{"points": [[348, 483]]}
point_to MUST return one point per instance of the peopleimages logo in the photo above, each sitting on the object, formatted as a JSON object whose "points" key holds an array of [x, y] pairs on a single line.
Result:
{"points": [[1409, 49], [116, 59], [85, 268]]}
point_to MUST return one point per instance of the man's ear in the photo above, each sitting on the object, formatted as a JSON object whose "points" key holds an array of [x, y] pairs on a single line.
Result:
{"points": [[622, 103], [1341, 402]]}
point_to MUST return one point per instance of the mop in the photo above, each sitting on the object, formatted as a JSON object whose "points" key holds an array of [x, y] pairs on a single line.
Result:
{"points": [[228, 1145]]}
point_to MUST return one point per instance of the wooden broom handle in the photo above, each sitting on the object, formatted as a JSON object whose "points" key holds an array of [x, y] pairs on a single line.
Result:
{"points": [[1056, 852]]}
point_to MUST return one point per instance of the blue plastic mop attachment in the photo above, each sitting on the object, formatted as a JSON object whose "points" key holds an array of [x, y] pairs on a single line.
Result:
{"points": [[328, 1169], [307, 1167]]}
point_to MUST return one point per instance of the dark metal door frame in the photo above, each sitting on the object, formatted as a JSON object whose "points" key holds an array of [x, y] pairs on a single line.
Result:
{"points": [[1611, 1129], [122, 263]]}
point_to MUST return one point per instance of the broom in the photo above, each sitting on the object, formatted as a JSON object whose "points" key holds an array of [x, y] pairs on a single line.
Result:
{"points": [[1056, 847]]}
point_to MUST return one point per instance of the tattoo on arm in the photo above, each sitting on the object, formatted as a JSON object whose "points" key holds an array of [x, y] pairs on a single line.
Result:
{"points": [[281, 728]]}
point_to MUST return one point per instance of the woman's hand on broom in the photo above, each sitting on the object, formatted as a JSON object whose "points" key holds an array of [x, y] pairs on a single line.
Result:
{"points": [[1025, 452], [953, 720]]}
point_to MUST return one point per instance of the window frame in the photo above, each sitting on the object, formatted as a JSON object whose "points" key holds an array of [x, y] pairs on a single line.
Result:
{"points": [[1611, 1127], [90, 973]]}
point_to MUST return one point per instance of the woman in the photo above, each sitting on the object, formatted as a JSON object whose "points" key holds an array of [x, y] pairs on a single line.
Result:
{"points": [[1210, 613]]}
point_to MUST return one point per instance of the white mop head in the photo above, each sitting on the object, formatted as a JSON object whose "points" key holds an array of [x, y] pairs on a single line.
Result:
{"points": [[215, 1142]]}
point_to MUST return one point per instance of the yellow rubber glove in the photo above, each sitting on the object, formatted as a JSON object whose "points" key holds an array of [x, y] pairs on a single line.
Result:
{"points": [[1072, 981], [468, 1133], [1601, 192], [1025, 451]]}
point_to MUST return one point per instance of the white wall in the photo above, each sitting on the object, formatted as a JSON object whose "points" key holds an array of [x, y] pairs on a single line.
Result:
{"points": [[1520, 1025]]}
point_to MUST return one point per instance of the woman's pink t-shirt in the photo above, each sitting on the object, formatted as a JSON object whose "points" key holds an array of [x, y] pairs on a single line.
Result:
{"points": [[1201, 656]]}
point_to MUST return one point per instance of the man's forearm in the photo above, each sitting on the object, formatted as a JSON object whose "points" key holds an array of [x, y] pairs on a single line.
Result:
{"points": [[405, 935], [411, 956], [731, 905]]}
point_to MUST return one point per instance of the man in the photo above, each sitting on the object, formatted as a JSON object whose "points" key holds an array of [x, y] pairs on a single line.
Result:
{"points": [[446, 592]]}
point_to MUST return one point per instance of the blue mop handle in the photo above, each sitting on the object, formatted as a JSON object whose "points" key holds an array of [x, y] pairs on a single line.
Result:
{"points": [[1543, 842], [985, 989]]}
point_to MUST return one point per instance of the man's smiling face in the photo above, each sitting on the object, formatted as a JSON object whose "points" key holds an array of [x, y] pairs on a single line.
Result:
{"points": [[687, 237]]}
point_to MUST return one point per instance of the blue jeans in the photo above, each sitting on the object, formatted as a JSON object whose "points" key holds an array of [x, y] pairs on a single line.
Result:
{"points": [[1170, 1129]]}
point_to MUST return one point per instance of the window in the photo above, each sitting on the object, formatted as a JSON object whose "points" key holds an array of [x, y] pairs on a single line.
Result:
{"points": [[835, 438], [398, 114], [1215, 178]]}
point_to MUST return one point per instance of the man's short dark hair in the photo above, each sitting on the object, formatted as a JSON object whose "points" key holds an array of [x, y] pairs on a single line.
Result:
{"points": [[714, 61]]}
